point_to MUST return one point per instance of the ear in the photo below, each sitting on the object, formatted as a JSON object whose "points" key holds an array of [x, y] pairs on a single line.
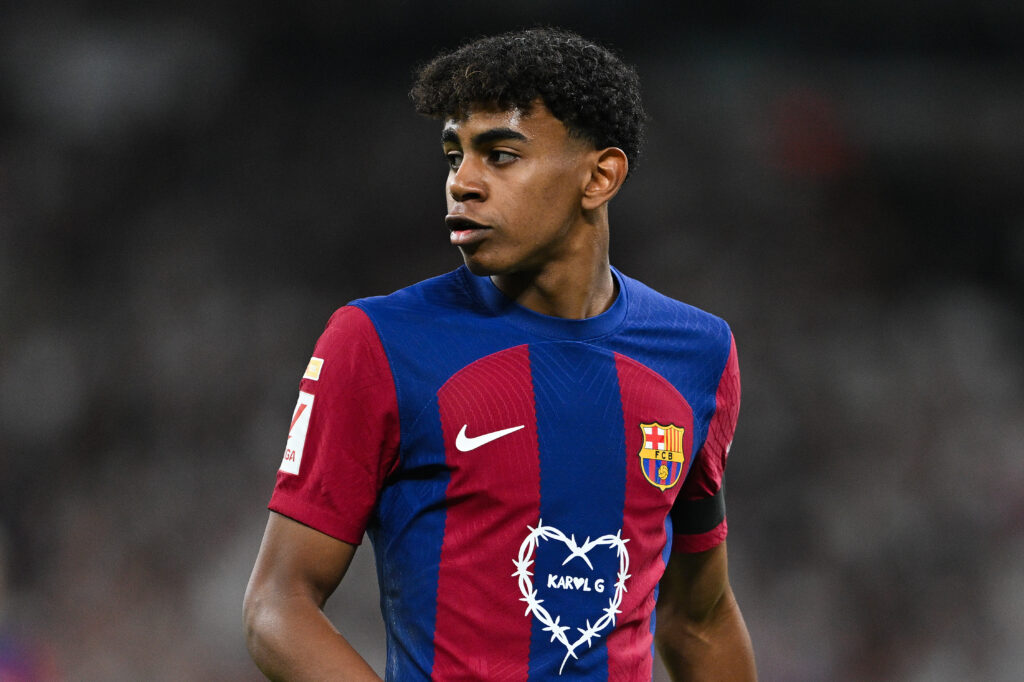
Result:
{"points": [[607, 174]]}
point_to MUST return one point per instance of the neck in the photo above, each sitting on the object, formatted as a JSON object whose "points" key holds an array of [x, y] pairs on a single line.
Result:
{"points": [[575, 286]]}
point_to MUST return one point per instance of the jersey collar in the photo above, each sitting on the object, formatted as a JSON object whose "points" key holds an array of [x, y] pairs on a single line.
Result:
{"points": [[498, 304]]}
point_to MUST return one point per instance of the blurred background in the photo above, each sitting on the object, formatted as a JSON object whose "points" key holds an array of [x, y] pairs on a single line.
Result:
{"points": [[186, 196]]}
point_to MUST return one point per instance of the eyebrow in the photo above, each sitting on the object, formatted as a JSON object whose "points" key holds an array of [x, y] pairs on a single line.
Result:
{"points": [[486, 137]]}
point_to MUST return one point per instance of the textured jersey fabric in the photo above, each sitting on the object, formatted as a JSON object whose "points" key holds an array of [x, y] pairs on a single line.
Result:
{"points": [[522, 478]]}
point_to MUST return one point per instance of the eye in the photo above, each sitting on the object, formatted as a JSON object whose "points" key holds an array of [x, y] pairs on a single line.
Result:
{"points": [[454, 159], [501, 158]]}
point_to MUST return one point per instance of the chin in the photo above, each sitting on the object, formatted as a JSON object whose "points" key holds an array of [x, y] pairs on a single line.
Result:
{"points": [[481, 267]]}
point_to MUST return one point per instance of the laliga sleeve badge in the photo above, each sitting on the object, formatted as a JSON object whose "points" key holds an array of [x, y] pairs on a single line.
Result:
{"points": [[662, 458], [313, 369], [297, 434]]}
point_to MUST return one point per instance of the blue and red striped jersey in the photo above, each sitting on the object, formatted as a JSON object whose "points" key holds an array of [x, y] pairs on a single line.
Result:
{"points": [[522, 478]]}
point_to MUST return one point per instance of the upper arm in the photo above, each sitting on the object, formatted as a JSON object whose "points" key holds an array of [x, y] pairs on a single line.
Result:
{"points": [[342, 442], [700, 630], [693, 586], [287, 633], [297, 561]]}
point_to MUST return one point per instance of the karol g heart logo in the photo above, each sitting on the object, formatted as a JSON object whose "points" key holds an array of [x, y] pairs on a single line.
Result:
{"points": [[534, 604]]}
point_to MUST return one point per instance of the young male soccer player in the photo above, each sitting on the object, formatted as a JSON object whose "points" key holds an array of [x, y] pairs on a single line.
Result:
{"points": [[535, 442]]}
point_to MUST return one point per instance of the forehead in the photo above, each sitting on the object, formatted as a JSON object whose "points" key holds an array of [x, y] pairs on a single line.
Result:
{"points": [[535, 124]]}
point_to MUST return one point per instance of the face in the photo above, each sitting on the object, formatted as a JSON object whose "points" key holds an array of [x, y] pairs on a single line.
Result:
{"points": [[515, 183]]}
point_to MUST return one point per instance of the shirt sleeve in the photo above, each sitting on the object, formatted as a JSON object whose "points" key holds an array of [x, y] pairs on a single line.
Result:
{"points": [[344, 432], [698, 515]]}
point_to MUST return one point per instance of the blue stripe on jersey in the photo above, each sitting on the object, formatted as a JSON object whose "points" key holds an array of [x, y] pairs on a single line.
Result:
{"points": [[411, 535], [580, 433]]}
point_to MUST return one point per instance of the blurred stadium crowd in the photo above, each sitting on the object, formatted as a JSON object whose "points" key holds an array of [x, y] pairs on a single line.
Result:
{"points": [[185, 198]]}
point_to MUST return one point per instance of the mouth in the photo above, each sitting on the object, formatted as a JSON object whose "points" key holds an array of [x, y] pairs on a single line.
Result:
{"points": [[464, 230]]}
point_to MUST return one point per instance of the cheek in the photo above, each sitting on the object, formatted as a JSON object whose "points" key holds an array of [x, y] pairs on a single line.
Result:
{"points": [[557, 195], [564, 179], [541, 201]]}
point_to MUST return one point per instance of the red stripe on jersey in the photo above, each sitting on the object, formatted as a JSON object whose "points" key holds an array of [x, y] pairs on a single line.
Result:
{"points": [[646, 397], [481, 627]]}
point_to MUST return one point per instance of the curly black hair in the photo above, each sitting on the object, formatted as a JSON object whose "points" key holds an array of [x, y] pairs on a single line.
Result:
{"points": [[585, 86]]}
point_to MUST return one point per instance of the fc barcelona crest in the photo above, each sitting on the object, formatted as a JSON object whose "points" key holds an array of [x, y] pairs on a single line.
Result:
{"points": [[661, 456]]}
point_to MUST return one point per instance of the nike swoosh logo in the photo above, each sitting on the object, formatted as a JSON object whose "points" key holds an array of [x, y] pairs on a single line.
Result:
{"points": [[464, 443]]}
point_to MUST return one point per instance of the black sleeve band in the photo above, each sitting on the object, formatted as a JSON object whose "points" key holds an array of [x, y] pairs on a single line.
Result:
{"points": [[693, 517]]}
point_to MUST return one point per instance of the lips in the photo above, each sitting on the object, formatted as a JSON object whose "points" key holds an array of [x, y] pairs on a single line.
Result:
{"points": [[464, 230]]}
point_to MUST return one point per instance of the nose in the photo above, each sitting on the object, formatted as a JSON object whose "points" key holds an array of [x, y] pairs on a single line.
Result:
{"points": [[466, 183]]}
